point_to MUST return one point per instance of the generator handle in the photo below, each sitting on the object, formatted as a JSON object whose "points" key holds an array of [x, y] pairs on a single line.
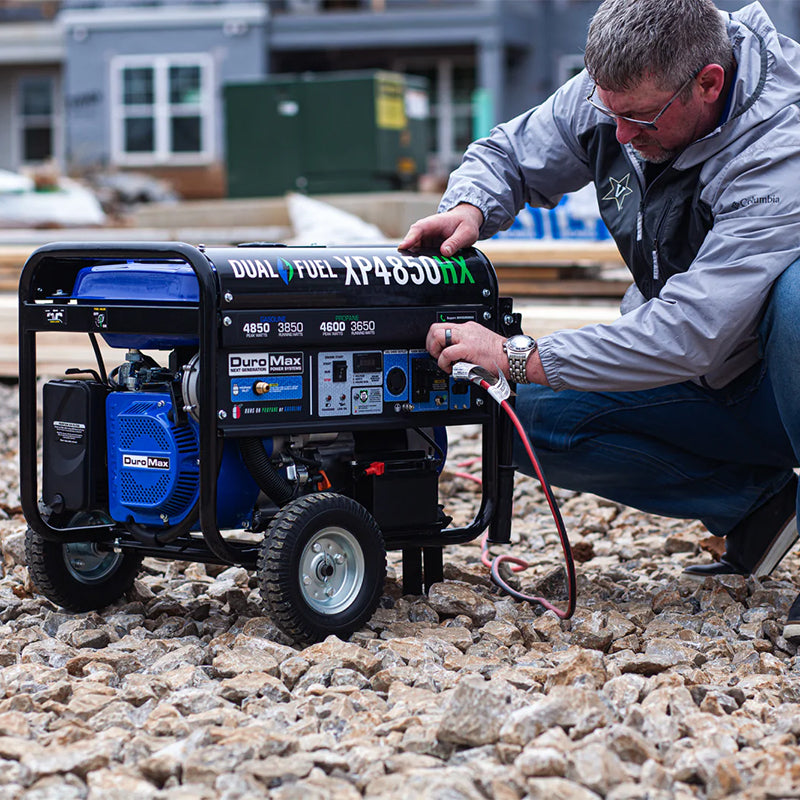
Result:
{"points": [[209, 439]]}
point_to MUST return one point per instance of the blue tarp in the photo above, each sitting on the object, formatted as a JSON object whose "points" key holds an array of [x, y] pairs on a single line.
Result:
{"points": [[575, 217]]}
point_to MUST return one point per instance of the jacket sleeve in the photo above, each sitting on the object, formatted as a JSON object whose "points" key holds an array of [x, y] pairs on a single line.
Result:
{"points": [[705, 321], [534, 158]]}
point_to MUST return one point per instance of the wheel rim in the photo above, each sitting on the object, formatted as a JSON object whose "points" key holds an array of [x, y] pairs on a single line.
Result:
{"points": [[88, 564], [331, 570]]}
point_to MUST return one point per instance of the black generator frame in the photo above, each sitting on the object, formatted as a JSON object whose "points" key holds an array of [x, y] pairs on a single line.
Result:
{"points": [[39, 307]]}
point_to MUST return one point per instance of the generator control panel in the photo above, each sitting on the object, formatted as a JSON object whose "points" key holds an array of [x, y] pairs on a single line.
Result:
{"points": [[345, 383], [325, 365]]}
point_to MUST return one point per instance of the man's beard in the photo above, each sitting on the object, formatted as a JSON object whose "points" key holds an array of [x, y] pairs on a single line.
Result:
{"points": [[660, 158]]}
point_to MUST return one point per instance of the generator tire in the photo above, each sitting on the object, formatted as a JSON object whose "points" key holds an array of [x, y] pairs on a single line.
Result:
{"points": [[321, 567], [79, 577]]}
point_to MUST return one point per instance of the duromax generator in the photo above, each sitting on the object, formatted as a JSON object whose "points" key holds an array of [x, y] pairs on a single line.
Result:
{"points": [[272, 407]]}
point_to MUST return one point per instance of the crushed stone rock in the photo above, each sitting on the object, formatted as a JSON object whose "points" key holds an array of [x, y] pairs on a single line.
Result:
{"points": [[655, 688]]}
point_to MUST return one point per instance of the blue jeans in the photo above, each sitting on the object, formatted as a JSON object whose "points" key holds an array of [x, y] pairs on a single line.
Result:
{"points": [[681, 450]]}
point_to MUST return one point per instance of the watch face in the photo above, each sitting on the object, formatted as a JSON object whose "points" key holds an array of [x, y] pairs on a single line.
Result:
{"points": [[520, 342]]}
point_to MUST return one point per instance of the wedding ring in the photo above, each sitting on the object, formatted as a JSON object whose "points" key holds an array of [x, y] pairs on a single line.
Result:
{"points": [[448, 337]]}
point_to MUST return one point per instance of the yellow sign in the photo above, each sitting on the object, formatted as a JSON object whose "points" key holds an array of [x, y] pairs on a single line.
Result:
{"points": [[390, 107]]}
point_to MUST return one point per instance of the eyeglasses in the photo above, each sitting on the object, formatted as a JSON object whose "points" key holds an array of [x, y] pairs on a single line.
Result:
{"points": [[647, 125]]}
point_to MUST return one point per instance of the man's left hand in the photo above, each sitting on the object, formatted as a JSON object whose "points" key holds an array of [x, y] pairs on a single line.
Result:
{"points": [[466, 341], [449, 342]]}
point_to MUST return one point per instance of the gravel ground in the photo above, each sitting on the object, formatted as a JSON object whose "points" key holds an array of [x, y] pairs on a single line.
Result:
{"points": [[654, 689]]}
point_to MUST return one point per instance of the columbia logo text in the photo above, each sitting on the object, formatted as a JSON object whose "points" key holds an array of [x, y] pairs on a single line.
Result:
{"points": [[755, 201]]}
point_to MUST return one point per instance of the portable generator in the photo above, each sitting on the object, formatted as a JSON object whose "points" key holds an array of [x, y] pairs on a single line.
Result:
{"points": [[273, 407]]}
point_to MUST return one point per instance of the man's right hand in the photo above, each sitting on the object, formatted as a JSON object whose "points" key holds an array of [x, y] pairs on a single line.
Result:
{"points": [[449, 232]]}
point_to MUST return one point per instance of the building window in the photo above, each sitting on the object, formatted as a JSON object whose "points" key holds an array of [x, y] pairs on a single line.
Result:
{"points": [[163, 109], [37, 119]]}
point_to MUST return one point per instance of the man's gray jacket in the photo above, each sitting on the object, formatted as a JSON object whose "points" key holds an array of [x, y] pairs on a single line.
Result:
{"points": [[704, 240]]}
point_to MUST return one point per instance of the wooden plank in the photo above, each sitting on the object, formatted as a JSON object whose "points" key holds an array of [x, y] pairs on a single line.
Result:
{"points": [[541, 251], [14, 256], [534, 273], [564, 288], [12, 259], [547, 273]]}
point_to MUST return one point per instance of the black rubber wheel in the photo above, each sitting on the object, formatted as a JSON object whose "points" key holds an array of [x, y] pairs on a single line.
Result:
{"points": [[322, 566], [82, 576]]}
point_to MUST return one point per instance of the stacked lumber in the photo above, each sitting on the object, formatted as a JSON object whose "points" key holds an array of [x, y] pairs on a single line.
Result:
{"points": [[12, 259], [539, 268]]}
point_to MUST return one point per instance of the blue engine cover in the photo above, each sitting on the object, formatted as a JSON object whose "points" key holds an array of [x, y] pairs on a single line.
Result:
{"points": [[153, 465]]}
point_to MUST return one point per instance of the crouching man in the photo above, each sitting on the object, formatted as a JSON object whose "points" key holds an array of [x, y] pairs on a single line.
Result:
{"points": [[687, 405]]}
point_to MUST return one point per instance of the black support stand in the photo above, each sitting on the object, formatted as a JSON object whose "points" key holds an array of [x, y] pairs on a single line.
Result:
{"points": [[422, 567]]}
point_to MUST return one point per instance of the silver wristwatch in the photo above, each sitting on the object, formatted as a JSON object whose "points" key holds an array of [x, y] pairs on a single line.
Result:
{"points": [[518, 349]]}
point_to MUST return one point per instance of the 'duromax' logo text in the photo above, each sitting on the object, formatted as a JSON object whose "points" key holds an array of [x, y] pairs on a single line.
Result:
{"points": [[265, 364], [145, 462], [360, 270]]}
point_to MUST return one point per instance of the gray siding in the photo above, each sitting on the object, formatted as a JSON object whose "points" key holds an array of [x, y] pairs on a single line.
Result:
{"points": [[512, 48], [237, 51]]}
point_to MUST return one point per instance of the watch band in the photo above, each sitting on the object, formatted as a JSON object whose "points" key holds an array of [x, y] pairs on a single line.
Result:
{"points": [[517, 366]]}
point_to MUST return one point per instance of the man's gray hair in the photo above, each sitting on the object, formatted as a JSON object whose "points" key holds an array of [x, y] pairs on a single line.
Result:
{"points": [[665, 40]]}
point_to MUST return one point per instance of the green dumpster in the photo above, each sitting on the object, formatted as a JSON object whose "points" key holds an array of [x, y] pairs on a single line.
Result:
{"points": [[326, 133]]}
